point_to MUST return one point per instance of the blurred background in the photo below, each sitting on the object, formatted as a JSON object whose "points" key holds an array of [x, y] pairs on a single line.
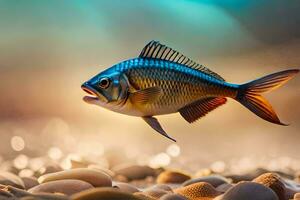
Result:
{"points": [[49, 48]]}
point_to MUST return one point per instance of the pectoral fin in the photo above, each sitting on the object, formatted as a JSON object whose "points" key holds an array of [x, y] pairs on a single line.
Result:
{"points": [[153, 122], [144, 96], [200, 108]]}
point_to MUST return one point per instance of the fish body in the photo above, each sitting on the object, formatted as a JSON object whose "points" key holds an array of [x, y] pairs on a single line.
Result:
{"points": [[163, 81], [179, 84]]}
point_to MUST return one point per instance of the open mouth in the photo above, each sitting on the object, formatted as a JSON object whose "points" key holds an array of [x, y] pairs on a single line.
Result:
{"points": [[92, 94]]}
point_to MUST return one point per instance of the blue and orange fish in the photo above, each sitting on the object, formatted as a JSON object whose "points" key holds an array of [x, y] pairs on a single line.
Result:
{"points": [[163, 81]]}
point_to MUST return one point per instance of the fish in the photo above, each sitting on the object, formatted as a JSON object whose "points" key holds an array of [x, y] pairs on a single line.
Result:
{"points": [[162, 81]]}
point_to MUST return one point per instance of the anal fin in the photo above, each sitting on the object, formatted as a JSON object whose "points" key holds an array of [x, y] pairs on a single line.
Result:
{"points": [[200, 108], [153, 122]]}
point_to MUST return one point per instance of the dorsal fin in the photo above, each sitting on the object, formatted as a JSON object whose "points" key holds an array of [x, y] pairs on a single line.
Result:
{"points": [[159, 51]]}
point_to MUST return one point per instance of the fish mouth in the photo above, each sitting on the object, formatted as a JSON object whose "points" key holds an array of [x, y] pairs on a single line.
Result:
{"points": [[94, 96]]}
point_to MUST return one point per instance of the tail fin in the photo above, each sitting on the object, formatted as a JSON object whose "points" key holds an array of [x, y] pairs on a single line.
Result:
{"points": [[249, 94]]}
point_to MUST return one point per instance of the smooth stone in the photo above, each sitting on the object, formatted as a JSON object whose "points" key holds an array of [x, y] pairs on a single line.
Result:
{"points": [[164, 187], [173, 197], [94, 177], [291, 188], [67, 187], [224, 187], [214, 180], [46, 196], [79, 164], [172, 177], [292, 185], [297, 177], [248, 191], [249, 176], [105, 193], [121, 178], [144, 196], [155, 193], [16, 192], [274, 182], [297, 196], [50, 168], [29, 182], [7, 178], [134, 172], [198, 191], [125, 187], [143, 183], [5, 195], [102, 169]]}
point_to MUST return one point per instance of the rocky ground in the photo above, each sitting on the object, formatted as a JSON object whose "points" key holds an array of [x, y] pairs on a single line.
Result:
{"points": [[42, 178], [45, 179]]}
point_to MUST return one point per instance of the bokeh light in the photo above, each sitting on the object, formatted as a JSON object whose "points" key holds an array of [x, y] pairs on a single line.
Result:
{"points": [[17, 143], [160, 160], [21, 161], [26, 173], [173, 150], [55, 153]]}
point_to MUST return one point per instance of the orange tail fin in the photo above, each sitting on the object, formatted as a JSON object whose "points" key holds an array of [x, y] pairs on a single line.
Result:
{"points": [[249, 94]]}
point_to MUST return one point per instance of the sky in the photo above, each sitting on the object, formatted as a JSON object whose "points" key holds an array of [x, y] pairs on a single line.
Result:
{"points": [[49, 48]]}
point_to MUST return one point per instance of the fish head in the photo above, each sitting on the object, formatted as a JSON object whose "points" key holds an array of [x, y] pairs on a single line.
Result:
{"points": [[107, 89]]}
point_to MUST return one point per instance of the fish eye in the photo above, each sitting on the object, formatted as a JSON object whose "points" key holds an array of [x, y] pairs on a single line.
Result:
{"points": [[104, 83]]}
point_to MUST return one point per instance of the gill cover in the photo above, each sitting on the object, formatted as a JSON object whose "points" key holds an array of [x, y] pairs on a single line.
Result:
{"points": [[118, 89]]}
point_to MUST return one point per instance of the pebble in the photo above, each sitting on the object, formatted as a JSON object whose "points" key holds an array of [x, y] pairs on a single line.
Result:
{"points": [[169, 176], [125, 187], [16, 192], [291, 188], [106, 194], [297, 196], [249, 176], [164, 187], [134, 172], [224, 187], [173, 197], [143, 196], [297, 177], [7, 178], [5, 195], [248, 191], [94, 177], [46, 197], [10, 192], [67, 187], [29, 182], [50, 168], [102, 169], [78, 164], [198, 191], [274, 182], [155, 193], [214, 180], [121, 178]]}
